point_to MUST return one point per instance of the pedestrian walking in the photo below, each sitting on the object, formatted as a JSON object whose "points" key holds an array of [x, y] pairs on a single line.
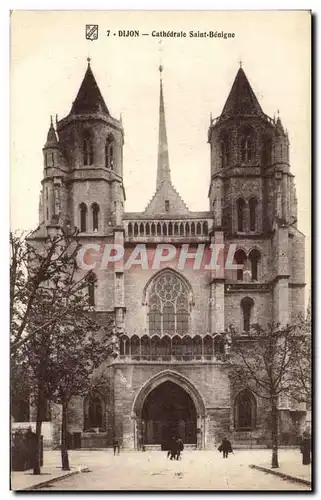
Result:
{"points": [[305, 448], [116, 445], [225, 447]]}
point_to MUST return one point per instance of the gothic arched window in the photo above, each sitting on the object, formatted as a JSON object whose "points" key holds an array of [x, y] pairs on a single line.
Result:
{"points": [[240, 260], [83, 217], [110, 152], [168, 305], [247, 305], [91, 291], [93, 413], [247, 145], [88, 150], [240, 207], [219, 349], [95, 216], [253, 213], [245, 410], [254, 258], [224, 146]]}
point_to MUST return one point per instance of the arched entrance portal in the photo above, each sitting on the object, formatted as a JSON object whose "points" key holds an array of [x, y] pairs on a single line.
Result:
{"points": [[187, 397], [169, 411]]}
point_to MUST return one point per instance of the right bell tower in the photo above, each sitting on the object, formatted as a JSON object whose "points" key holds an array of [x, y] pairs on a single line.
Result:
{"points": [[253, 200]]}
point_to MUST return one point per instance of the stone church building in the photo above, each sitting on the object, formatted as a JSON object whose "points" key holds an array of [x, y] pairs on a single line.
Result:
{"points": [[171, 374]]}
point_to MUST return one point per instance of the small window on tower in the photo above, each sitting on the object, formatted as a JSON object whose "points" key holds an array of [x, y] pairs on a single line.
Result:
{"points": [[95, 217], [166, 205], [83, 217], [247, 305], [110, 153], [224, 145], [88, 151], [49, 159], [91, 294], [247, 145]]}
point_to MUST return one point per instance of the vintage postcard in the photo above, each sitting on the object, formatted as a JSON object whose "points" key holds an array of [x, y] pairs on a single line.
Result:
{"points": [[160, 292]]}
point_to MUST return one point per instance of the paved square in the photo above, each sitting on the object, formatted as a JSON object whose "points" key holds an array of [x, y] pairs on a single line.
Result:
{"points": [[198, 470]]}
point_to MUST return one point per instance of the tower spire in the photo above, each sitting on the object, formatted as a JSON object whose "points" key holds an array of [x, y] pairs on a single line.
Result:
{"points": [[163, 170], [51, 136]]}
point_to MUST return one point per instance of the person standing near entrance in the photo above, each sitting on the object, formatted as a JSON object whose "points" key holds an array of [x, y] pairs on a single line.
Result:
{"points": [[179, 447], [225, 447], [305, 448], [172, 449], [116, 446]]}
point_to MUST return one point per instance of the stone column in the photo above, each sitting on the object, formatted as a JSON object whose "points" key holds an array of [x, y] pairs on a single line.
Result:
{"points": [[285, 196], [281, 283], [217, 287], [119, 291]]}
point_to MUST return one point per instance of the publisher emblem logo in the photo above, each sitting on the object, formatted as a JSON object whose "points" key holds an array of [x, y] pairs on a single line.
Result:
{"points": [[91, 31]]}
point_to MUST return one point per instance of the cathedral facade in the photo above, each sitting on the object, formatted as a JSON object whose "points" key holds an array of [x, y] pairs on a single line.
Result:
{"points": [[171, 308]]}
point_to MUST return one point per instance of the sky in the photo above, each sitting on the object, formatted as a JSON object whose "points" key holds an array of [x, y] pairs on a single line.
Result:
{"points": [[48, 62]]}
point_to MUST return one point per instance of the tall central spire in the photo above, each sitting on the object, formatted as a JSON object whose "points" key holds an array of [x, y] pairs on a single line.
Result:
{"points": [[163, 170], [166, 200]]}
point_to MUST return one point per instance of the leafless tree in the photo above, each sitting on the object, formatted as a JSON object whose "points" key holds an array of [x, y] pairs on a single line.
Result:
{"points": [[48, 308], [263, 361]]}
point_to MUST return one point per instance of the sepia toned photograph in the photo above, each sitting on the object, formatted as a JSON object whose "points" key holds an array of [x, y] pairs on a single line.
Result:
{"points": [[160, 251]]}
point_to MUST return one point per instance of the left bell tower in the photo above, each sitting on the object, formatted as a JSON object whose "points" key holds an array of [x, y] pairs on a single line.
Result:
{"points": [[83, 165]]}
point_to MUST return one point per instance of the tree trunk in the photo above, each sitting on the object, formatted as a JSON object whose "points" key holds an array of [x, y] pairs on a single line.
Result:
{"points": [[275, 440], [64, 443], [40, 417], [36, 450]]}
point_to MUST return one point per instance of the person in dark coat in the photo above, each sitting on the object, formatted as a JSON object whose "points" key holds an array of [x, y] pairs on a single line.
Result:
{"points": [[179, 448], [225, 447], [116, 445], [305, 448], [172, 449], [32, 444]]}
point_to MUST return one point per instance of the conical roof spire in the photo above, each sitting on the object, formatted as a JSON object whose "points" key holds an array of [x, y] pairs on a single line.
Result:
{"points": [[279, 126], [163, 170], [241, 99], [89, 98], [52, 140]]}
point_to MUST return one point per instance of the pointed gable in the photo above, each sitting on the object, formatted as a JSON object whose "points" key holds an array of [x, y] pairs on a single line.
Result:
{"points": [[89, 98], [166, 201], [241, 99]]}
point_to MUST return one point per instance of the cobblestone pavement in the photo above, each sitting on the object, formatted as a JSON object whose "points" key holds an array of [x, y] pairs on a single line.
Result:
{"points": [[198, 470]]}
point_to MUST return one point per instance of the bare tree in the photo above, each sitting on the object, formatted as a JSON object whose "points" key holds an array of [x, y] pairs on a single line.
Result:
{"points": [[263, 361], [77, 347], [47, 293], [34, 266], [300, 374]]}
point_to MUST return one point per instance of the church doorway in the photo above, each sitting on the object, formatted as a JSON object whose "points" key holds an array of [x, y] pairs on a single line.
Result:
{"points": [[169, 411]]}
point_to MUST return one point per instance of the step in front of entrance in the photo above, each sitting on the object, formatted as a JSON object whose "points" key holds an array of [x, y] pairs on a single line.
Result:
{"points": [[157, 447]]}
